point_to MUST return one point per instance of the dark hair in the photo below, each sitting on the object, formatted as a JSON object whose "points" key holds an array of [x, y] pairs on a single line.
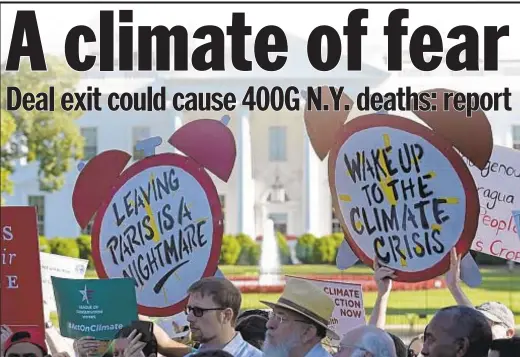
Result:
{"points": [[212, 353], [400, 348], [223, 292], [253, 329], [507, 347], [247, 313], [20, 335], [150, 340], [473, 325]]}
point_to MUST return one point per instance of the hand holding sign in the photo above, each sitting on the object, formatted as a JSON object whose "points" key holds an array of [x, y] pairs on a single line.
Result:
{"points": [[453, 275], [86, 346], [383, 277], [134, 348]]}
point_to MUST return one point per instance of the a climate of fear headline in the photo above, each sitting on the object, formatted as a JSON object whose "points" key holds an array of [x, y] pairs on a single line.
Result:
{"points": [[271, 51]]}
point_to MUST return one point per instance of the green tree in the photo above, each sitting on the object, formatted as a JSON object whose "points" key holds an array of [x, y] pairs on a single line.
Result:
{"points": [[284, 252], [50, 137], [305, 247], [249, 250], [325, 250], [230, 250], [8, 127]]}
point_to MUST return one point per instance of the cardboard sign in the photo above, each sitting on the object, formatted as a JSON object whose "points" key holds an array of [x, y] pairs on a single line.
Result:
{"points": [[349, 311], [159, 221], [498, 187], [61, 267], [516, 214], [159, 228], [97, 308], [404, 194], [20, 280], [176, 326]]}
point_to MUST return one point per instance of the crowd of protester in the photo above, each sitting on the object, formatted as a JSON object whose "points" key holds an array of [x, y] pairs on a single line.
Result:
{"points": [[297, 326]]}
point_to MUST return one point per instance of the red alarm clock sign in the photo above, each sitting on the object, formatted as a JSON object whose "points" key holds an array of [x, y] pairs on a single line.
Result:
{"points": [[400, 188], [161, 222], [404, 194]]}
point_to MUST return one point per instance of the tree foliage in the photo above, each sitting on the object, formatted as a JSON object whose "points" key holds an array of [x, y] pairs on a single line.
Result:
{"points": [[50, 137]]}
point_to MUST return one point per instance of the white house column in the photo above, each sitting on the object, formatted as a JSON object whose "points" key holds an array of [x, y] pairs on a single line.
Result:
{"points": [[311, 187], [245, 183]]}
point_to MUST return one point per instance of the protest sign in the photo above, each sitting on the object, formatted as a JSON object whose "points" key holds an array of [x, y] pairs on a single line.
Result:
{"points": [[62, 267], [97, 308], [498, 186], [20, 284], [159, 221], [516, 214], [349, 311], [405, 196], [176, 326]]}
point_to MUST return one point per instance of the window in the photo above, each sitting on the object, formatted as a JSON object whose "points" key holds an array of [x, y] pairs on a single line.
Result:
{"points": [[90, 136], [277, 143], [222, 199], [336, 226], [139, 133], [516, 137], [39, 203], [280, 222]]}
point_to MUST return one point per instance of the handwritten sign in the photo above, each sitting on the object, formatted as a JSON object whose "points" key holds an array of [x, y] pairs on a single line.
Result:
{"points": [[20, 271], [499, 193], [404, 194], [161, 227], [62, 267], [516, 214], [349, 311]]}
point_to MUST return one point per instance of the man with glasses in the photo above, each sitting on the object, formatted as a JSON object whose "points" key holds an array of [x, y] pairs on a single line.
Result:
{"points": [[366, 341], [299, 321], [212, 309]]}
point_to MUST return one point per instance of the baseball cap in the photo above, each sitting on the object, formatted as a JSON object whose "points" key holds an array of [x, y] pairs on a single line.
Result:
{"points": [[30, 335], [498, 313]]}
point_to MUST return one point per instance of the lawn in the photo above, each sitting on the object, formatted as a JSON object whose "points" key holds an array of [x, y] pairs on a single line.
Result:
{"points": [[404, 307]]}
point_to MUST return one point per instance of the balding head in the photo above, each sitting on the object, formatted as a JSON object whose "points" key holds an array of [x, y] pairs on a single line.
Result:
{"points": [[457, 331], [363, 339]]}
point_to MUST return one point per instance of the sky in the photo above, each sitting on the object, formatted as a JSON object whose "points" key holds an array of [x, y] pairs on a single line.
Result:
{"points": [[56, 20]]}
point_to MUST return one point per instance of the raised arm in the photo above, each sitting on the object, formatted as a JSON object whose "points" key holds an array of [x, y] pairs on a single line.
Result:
{"points": [[383, 277], [452, 279]]}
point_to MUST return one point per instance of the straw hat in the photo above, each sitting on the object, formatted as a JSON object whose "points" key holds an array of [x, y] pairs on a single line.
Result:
{"points": [[306, 299]]}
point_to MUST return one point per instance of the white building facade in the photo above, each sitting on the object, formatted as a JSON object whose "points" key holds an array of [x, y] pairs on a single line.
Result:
{"points": [[276, 175]]}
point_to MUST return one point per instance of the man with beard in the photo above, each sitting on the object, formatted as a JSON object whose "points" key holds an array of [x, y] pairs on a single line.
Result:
{"points": [[299, 321], [212, 309]]}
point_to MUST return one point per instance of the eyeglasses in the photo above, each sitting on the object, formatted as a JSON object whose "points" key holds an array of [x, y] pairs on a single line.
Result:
{"points": [[199, 311], [281, 318]]}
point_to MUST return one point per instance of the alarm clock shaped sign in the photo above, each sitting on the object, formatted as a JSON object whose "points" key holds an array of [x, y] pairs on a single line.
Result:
{"points": [[402, 193], [159, 221]]}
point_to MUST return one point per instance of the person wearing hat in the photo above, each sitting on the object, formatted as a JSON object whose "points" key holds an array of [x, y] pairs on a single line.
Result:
{"points": [[28, 342], [299, 321], [499, 316]]}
